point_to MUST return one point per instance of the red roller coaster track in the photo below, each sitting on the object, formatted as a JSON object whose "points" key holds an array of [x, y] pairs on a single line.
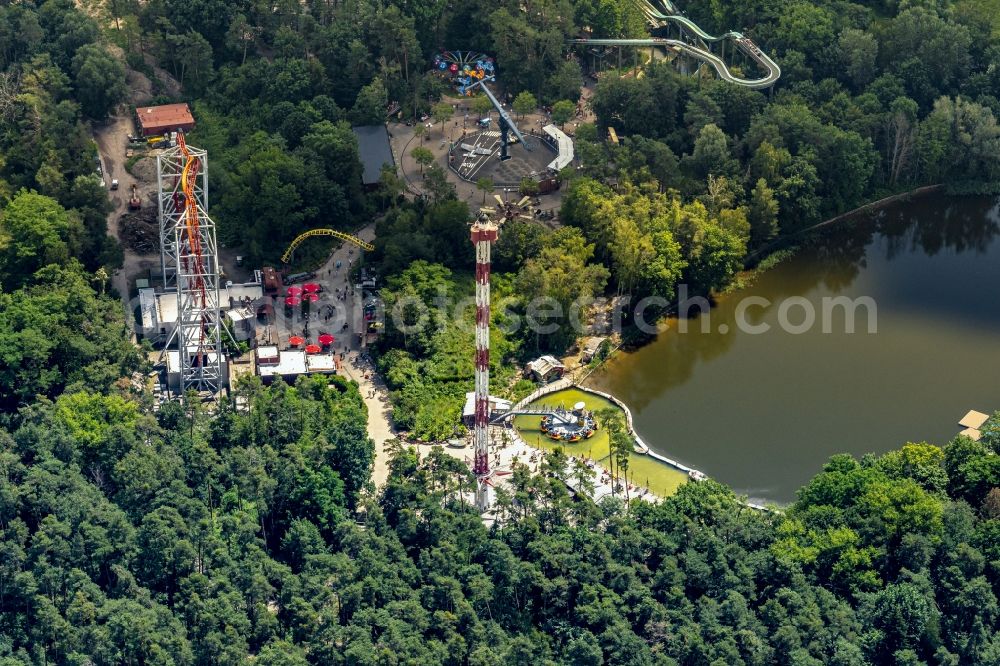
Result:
{"points": [[191, 226]]}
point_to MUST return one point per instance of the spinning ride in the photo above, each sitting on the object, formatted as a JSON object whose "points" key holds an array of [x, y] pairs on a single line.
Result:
{"points": [[569, 425], [465, 68]]}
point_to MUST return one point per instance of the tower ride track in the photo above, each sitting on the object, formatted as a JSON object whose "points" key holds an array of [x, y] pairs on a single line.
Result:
{"points": [[199, 327]]}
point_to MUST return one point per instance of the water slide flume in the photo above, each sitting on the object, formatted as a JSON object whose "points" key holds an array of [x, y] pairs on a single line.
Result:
{"points": [[700, 52], [673, 15]]}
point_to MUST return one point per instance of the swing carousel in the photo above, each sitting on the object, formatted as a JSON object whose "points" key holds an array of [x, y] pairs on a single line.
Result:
{"points": [[465, 68]]}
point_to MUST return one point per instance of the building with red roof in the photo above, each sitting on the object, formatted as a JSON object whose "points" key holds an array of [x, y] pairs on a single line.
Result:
{"points": [[157, 120]]}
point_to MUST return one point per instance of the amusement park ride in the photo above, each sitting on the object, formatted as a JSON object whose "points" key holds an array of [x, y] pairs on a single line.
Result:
{"points": [[189, 259], [563, 425], [485, 232], [287, 256], [471, 70], [507, 210], [465, 68], [505, 122]]}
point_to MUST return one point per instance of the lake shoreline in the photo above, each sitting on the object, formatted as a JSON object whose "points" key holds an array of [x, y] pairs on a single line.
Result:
{"points": [[869, 207], [734, 402], [746, 277]]}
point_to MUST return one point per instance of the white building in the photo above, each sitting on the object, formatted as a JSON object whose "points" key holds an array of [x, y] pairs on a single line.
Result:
{"points": [[287, 364], [321, 364], [235, 295], [498, 406], [290, 363], [564, 144], [174, 369], [159, 315], [237, 301], [149, 325], [242, 322]]}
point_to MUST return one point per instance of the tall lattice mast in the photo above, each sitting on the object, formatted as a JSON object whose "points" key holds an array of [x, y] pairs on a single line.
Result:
{"points": [[199, 327], [170, 201], [484, 234]]}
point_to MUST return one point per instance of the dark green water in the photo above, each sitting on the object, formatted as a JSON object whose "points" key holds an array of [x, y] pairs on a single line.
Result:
{"points": [[763, 412]]}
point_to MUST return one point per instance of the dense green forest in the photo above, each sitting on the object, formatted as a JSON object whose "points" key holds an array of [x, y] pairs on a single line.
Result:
{"points": [[250, 533], [186, 537]]}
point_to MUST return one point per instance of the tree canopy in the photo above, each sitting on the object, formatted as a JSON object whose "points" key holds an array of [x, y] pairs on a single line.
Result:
{"points": [[251, 531]]}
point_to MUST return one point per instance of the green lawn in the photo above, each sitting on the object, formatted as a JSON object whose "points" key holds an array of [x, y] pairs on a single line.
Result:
{"points": [[646, 471]]}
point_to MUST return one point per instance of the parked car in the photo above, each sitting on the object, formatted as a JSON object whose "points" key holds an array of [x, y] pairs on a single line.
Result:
{"points": [[114, 183]]}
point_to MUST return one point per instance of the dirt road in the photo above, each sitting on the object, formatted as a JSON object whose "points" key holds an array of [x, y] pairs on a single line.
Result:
{"points": [[111, 141], [112, 138]]}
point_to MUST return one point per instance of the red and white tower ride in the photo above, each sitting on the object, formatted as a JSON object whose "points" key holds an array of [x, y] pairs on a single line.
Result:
{"points": [[484, 234]]}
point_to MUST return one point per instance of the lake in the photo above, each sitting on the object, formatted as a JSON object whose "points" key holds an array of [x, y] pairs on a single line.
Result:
{"points": [[762, 412]]}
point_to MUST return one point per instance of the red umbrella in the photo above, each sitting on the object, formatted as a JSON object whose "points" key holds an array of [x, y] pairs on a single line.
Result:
{"points": [[292, 300], [295, 341], [313, 349], [326, 339], [311, 287], [294, 291], [312, 298]]}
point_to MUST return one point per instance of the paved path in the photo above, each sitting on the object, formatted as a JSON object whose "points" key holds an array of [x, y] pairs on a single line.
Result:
{"points": [[353, 366], [375, 395]]}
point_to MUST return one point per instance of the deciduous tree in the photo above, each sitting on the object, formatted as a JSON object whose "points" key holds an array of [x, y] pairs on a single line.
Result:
{"points": [[763, 214], [562, 111], [524, 103], [422, 156], [484, 185], [35, 231], [99, 80]]}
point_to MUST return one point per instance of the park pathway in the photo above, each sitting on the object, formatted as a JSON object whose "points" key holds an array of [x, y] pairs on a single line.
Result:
{"points": [[373, 391]]}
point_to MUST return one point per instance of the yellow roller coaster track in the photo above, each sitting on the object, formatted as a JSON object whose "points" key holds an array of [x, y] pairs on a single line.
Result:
{"points": [[286, 257]]}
